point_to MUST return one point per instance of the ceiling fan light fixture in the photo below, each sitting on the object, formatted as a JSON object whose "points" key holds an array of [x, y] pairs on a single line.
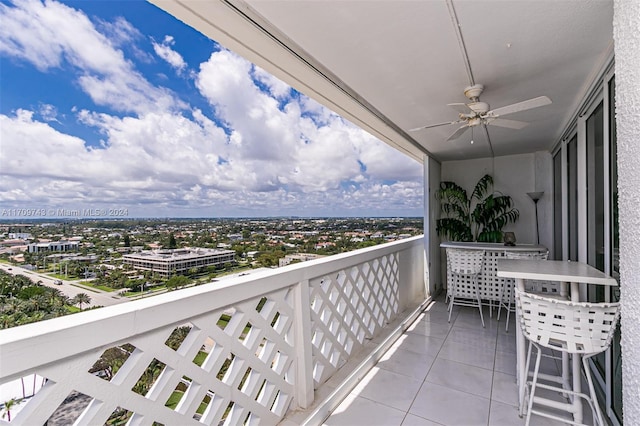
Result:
{"points": [[479, 107], [474, 91]]}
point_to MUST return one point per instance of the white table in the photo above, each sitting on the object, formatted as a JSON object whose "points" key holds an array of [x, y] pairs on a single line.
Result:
{"points": [[551, 270]]}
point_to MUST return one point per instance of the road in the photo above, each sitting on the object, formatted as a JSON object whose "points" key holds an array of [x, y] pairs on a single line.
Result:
{"points": [[98, 297]]}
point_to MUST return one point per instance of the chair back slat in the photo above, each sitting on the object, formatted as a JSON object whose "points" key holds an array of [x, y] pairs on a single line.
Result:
{"points": [[573, 327], [465, 265], [465, 262]]}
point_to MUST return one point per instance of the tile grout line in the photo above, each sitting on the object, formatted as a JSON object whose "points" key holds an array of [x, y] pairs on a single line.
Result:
{"points": [[493, 375], [428, 371]]}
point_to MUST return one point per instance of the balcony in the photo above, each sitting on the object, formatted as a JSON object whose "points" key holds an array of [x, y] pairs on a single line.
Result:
{"points": [[251, 350], [437, 372]]}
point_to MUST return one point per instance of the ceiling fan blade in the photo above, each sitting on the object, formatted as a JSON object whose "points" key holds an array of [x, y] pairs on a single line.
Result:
{"points": [[520, 106], [510, 124], [458, 133], [461, 108], [435, 125]]}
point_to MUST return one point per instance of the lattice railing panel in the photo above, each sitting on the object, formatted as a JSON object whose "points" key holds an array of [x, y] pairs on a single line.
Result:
{"points": [[349, 306], [228, 366], [225, 354]]}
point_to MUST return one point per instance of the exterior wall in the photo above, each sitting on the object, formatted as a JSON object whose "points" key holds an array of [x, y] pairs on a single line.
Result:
{"points": [[626, 21], [513, 175]]}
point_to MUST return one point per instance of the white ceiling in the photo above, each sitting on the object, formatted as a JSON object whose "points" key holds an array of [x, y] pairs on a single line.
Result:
{"points": [[390, 66]]}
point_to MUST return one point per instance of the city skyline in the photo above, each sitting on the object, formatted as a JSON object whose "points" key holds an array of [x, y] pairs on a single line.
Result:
{"points": [[118, 107]]}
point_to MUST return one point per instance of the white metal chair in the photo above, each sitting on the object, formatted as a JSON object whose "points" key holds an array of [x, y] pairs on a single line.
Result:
{"points": [[464, 265], [579, 328], [506, 292]]}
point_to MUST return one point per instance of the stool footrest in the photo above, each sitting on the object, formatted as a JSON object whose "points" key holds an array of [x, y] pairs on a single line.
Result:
{"points": [[558, 418], [548, 378], [564, 406]]}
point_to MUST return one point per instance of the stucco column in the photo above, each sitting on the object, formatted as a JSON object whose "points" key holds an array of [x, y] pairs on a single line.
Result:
{"points": [[626, 21]]}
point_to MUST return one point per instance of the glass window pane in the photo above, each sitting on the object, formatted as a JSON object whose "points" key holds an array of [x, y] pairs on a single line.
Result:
{"points": [[557, 206], [595, 192], [595, 208], [572, 171]]}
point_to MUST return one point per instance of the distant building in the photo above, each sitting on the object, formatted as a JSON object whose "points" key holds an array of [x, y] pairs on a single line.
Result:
{"points": [[299, 257], [53, 246], [20, 235], [324, 245], [12, 249], [73, 257], [167, 262], [12, 243]]}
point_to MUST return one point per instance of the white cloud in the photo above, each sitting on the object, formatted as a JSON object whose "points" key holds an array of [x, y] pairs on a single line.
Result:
{"points": [[173, 58], [308, 148], [279, 152], [48, 34], [48, 112], [164, 162], [120, 31], [277, 87]]}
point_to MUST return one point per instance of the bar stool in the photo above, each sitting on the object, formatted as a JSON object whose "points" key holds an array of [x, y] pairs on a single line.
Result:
{"points": [[535, 286], [464, 266], [578, 328]]}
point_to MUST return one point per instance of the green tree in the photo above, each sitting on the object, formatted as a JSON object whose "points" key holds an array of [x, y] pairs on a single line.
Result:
{"points": [[177, 281], [8, 406], [80, 299], [172, 241], [127, 240], [111, 360], [269, 259]]}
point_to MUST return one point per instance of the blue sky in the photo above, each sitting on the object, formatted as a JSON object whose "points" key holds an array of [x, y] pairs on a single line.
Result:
{"points": [[117, 105]]}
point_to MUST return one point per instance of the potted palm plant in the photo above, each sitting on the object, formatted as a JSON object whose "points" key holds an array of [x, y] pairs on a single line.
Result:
{"points": [[480, 217]]}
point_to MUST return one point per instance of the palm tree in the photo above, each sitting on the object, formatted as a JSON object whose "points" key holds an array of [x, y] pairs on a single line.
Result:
{"points": [[8, 405], [6, 321], [480, 217], [81, 298]]}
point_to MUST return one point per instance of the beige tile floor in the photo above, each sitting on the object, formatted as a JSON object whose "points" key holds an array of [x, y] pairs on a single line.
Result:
{"points": [[441, 373]]}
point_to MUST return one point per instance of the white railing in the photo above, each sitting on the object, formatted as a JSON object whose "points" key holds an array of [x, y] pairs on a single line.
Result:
{"points": [[240, 352]]}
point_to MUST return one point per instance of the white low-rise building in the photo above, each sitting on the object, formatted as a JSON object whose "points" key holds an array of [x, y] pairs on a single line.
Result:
{"points": [[167, 262], [297, 257], [53, 246]]}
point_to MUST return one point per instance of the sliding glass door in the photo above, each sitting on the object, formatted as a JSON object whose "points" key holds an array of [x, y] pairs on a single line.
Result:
{"points": [[586, 218]]}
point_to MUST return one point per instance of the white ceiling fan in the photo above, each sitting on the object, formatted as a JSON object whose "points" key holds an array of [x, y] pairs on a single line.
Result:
{"points": [[476, 113]]}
